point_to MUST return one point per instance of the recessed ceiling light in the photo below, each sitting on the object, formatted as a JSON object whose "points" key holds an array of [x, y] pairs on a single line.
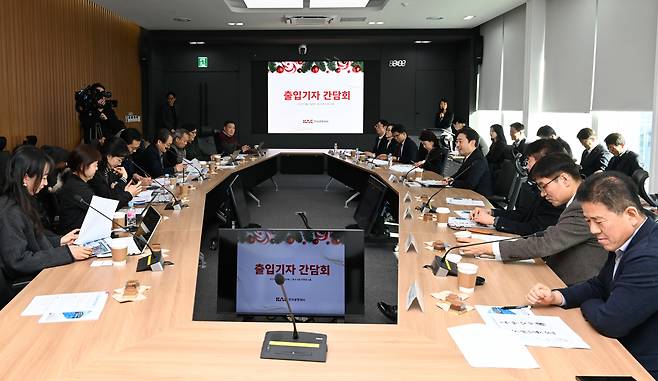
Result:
{"points": [[239, 23], [182, 19], [469, 18], [379, 22], [231, 23], [284, 4], [434, 18], [422, 41], [338, 3], [197, 42], [371, 23]]}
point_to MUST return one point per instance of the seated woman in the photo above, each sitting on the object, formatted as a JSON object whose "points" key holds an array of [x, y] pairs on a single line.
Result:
{"points": [[111, 179], [436, 156], [27, 247], [83, 163], [498, 150]]}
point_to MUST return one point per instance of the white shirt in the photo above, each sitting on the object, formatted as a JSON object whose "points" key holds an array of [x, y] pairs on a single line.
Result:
{"points": [[622, 249]]}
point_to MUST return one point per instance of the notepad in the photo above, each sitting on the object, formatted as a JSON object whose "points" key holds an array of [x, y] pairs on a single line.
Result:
{"points": [[464, 201]]}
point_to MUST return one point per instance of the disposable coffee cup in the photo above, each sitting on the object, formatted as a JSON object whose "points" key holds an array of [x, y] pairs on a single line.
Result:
{"points": [[119, 253], [466, 275], [183, 190], [419, 173], [453, 258], [119, 219], [463, 234], [443, 214]]}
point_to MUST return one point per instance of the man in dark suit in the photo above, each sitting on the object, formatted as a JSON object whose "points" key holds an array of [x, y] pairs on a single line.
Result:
{"points": [[380, 141], [624, 160], [152, 157], [474, 172], [547, 132], [620, 301], [531, 213], [406, 149], [568, 248], [517, 133], [595, 157]]}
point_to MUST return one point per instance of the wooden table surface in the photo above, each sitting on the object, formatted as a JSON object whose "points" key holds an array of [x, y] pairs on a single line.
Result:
{"points": [[157, 339]]}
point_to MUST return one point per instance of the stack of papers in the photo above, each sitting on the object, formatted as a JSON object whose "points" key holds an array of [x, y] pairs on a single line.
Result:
{"points": [[464, 201], [403, 168], [461, 223], [143, 197], [61, 308], [380, 163]]}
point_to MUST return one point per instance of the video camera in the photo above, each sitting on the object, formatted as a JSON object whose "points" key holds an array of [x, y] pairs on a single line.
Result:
{"points": [[87, 99]]}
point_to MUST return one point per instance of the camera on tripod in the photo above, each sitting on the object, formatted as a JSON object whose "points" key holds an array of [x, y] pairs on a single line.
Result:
{"points": [[87, 99]]}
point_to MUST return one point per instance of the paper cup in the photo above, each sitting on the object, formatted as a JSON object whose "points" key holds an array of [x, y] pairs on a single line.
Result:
{"points": [[453, 258], [119, 253], [466, 276], [463, 234], [119, 219], [443, 214]]}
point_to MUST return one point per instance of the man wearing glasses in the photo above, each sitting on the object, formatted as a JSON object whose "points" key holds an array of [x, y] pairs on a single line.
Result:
{"points": [[568, 247]]}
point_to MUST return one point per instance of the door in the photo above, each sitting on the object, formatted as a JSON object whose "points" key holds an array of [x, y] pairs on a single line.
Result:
{"points": [[431, 86]]}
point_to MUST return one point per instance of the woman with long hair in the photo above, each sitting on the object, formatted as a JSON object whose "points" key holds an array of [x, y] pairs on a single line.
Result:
{"points": [[498, 150], [83, 164], [27, 247], [436, 156]]}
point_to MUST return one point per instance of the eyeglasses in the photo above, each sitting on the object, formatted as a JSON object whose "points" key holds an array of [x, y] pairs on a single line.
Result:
{"points": [[542, 188]]}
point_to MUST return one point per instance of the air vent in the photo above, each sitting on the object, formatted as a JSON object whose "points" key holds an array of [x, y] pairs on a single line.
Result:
{"points": [[309, 20], [352, 19]]}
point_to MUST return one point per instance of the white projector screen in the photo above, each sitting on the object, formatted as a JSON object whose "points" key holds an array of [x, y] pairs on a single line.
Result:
{"points": [[320, 97]]}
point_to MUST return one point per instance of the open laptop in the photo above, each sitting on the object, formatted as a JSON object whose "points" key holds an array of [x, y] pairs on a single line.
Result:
{"points": [[148, 222], [260, 151]]}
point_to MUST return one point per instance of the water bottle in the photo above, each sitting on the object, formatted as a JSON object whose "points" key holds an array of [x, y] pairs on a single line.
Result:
{"points": [[167, 182], [131, 216], [335, 148], [390, 160], [232, 224]]}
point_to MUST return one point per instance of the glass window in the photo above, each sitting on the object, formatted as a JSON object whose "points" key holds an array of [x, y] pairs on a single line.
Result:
{"points": [[635, 126]]}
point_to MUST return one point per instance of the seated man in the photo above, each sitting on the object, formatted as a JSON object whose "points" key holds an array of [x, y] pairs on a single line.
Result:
{"points": [[531, 213], [176, 153], [595, 157], [380, 141], [152, 157], [226, 141], [391, 144], [474, 172], [623, 160], [133, 139], [568, 248], [406, 150], [620, 301], [547, 132], [517, 133]]}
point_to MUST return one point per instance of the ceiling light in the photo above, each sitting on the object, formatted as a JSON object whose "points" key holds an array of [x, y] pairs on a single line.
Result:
{"points": [[371, 23], [469, 18], [434, 18], [379, 22], [338, 3], [231, 23], [422, 41], [239, 23], [182, 19], [197, 42], [284, 4]]}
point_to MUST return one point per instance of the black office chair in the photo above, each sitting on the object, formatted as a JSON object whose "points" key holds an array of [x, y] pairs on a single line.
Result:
{"points": [[640, 177], [7, 293], [450, 167]]}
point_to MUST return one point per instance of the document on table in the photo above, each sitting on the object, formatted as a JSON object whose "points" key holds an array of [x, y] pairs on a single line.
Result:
{"points": [[458, 222], [380, 163], [143, 197], [431, 183], [464, 201], [96, 226], [487, 312], [484, 346], [403, 168], [540, 331], [67, 307], [465, 214]]}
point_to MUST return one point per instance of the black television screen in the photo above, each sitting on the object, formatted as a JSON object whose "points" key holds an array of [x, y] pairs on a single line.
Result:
{"points": [[324, 271], [371, 203]]}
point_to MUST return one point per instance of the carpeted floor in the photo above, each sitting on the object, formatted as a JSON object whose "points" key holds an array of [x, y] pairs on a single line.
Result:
{"points": [[324, 210]]}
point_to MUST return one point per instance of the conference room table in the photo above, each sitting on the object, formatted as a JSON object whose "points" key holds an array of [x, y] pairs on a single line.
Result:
{"points": [[157, 339]]}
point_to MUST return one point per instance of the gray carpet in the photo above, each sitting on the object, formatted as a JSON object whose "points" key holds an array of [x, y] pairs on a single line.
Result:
{"points": [[324, 210]]}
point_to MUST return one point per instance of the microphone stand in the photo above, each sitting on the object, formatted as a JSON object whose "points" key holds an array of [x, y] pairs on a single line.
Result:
{"points": [[174, 202], [427, 204]]}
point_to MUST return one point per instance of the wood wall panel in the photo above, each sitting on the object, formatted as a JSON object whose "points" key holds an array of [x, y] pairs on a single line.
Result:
{"points": [[48, 50]]}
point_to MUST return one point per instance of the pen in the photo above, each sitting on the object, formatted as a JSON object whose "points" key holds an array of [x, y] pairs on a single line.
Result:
{"points": [[513, 307]]}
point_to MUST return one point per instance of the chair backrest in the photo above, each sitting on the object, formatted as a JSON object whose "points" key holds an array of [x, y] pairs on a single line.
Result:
{"points": [[450, 167], [504, 179], [640, 177]]}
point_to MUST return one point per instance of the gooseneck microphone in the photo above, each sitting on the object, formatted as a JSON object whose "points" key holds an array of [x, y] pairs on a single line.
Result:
{"points": [[81, 200], [426, 204], [189, 162], [174, 202], [304, 219], [280, 280]]}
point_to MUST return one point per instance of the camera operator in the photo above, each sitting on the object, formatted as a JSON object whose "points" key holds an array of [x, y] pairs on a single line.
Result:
{"points": [[96, 113]]}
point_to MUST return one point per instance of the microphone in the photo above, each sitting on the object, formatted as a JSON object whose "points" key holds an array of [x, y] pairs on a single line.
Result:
{"points": [[302, 215], [427, 204], [441, 263], [174, 202], [403, 178], [189, 162], [280, 280], [82, 201]]}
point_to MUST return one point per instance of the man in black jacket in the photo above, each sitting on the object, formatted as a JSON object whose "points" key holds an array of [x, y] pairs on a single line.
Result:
{"points": [[406, 149], [152, 157], [547, 132], [624, 160], [474, 172], [595, 157], [381, 143], [517, 133], [532, 213]]}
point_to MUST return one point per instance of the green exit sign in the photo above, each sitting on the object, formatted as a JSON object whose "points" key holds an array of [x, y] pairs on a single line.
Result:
{"points": [[202, 62]]}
